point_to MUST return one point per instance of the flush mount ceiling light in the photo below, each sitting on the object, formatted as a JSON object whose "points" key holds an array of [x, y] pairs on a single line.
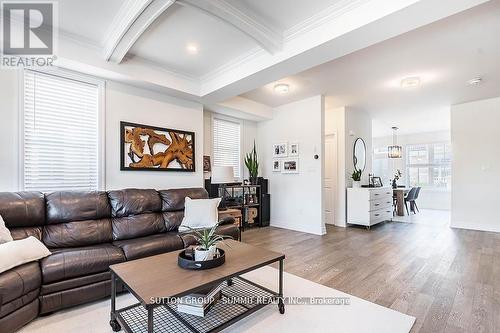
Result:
{"points": [[282, 88], [395, 151], [410, 82], [475, 81], [192, 48]]}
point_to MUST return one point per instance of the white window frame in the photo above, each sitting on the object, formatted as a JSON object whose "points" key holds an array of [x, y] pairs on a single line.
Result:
{"points": [[428, 165], [101, 140], [212, 138]]}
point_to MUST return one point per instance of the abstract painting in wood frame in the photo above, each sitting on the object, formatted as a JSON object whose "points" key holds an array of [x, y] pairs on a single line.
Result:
{"points": [[145, 147]]}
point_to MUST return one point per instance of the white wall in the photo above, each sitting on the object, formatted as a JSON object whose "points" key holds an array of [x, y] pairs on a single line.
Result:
{"points": [[476, 165], [358, 124], [123, 103], [349, 124], [296, 199], [428, 198], [248, 135], [126, 103], [9, 130]]}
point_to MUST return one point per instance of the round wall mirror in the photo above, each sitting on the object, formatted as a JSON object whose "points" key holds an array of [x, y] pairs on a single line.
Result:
{"points": [[359, 154]]}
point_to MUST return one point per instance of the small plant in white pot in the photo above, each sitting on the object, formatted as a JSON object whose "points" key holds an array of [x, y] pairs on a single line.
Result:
{"points": [[207, 241], [356, 178]]}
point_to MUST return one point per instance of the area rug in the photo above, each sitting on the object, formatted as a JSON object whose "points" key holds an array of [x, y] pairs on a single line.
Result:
{"points": [[352, 316]]}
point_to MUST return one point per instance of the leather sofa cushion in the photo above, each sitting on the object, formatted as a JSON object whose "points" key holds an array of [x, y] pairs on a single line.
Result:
{"points": [[22, 209], [21, 233], [74, 283], [19, 281], [17, 319], [173, 200], [173, 220], [73, 262], [69, 206], [137, 226], [150, 245], [134, 201], [226, 230], [80, 233], [81, 295], [18, 303]]}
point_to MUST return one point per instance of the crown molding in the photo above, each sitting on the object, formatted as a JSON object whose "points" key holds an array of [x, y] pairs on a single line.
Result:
{"points": [[329, 14], [133, 18], [251, 25], [161, 67], [233, 64]]}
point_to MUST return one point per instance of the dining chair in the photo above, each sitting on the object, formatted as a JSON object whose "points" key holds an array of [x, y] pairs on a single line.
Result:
{"points": [[416, 197], [410, 197]]}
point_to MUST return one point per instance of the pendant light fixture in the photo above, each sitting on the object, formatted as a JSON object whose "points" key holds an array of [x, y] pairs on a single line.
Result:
{"points": [[395, 151]]}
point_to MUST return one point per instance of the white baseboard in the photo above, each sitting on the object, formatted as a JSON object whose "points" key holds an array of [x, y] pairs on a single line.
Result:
{"points": [[472, 226], [296, 227]]}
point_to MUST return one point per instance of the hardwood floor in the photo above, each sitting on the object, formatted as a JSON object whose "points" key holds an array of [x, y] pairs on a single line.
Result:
{"points": [[449, 279]]}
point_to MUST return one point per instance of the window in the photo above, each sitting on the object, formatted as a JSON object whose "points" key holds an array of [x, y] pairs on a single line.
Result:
{"points": [[60, 133], [227, 143], [429, 165]]}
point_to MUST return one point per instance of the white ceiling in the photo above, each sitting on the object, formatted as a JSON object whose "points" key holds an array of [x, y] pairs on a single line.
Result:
{"points": [[165, 42], [242, 44], [87, 20], [445, 54]]}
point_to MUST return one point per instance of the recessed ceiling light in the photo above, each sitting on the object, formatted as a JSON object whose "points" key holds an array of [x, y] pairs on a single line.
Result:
{"points": [[475, 81], [282, 88], [192, 48], [410, 82]]}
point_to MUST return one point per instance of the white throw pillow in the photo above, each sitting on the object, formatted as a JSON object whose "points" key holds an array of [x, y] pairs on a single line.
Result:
{"points": [[5, 235], [20, 252], [200, 213]]}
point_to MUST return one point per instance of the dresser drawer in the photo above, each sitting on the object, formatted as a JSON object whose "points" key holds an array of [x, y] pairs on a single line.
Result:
{"points": [[383, 202], [379, 194], [380, 215]]}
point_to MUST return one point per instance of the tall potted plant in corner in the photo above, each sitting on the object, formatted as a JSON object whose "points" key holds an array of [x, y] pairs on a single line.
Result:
{"points": [[252, 165]]}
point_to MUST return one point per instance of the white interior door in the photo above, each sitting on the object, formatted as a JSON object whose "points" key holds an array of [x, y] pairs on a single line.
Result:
{"points": [[330, 181]]}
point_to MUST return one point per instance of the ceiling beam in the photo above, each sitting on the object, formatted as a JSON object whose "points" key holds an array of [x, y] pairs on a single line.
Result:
{"points": [[247, 23], [133, 18]]}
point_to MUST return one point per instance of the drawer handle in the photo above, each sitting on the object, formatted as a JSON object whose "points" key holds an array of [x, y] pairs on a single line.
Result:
{"points": [[376, 194], [377, 205], [387, 211], [377, 214]]}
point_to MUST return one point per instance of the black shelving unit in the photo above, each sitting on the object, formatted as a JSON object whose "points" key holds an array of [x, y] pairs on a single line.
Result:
{"points": [[244, 197]]}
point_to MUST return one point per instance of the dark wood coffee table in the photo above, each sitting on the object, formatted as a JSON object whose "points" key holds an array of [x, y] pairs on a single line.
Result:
{"points": [[155, 281]]}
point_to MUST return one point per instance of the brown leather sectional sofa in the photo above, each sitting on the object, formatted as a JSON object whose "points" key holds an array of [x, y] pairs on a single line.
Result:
{"points": [[86, 232]]}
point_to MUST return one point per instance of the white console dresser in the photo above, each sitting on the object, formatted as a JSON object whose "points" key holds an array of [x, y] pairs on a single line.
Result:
{"points": [[369, 205]]}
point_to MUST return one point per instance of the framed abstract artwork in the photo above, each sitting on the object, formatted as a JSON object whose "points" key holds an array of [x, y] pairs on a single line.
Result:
{"points": [[145, 147]]}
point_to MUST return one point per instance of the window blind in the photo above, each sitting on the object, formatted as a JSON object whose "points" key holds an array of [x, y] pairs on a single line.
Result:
{"points": [[226, 146], [61, 133]]}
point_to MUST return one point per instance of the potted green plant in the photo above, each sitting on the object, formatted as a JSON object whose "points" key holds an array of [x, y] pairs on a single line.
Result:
{"points": [[252, 164], [207, 241], [356, 178]]}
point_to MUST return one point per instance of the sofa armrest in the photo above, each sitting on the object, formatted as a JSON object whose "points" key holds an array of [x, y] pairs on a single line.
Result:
{"points": [[227, 220]]}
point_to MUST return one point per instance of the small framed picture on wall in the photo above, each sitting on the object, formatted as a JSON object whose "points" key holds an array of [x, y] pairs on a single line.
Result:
{"points": [[293, 149], [280, 150], [276, 166], [290, 165]]}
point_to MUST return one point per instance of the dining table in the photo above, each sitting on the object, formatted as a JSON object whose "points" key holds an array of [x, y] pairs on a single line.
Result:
{"points": [[399, 194]]}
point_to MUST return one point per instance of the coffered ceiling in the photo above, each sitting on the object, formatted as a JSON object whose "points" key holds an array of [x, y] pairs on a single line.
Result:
{"points": [[212, 50]]}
